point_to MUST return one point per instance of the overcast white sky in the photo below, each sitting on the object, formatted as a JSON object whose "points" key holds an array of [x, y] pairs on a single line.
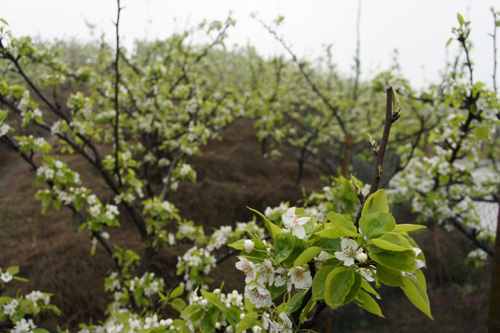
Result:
{"points": [[417, 29]]}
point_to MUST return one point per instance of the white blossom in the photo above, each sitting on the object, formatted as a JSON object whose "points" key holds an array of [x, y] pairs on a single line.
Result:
{"points": [[6, 277], [349, 251], [300, 277], [295, 223], [248, 268], [258, 295]]}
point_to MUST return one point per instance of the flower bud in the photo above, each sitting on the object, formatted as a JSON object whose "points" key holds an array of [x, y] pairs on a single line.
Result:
{"points": [[249, 245], [203, 302], [362, 257]]}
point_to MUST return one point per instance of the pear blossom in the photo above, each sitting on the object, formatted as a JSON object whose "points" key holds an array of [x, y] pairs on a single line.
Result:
{"points": [[258, 295], [248, 268], [256, 329], [295, 223], [24, 325], [166, 322], [323, 256], [10, 307], [6, 277], [282, 278], [265, 272], [349, 251], [151, 322], [367, 274], [300, 277], [287, 323]]}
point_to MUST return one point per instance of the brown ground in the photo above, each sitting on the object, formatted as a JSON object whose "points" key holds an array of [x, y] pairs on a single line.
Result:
{"points": [[231, 175]]}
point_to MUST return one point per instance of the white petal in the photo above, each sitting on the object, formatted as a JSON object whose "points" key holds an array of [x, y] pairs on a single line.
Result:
{"points": [[348, 243], [299, 231], [349, 262]]}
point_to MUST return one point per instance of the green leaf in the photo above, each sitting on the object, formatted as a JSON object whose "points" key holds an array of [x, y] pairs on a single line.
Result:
{"points": [[214, 299], [319, 282], [3, 115], [271, 227], [283, 243], [209, 320], [460, 19], [13, 270], [416, 293], [400, 228], [338, 285], [402, 261], [330, 232], [392, 241], [421, 278], [178, 304], [298, 249], [307, 256], [248, 320], [368, 303], [238, 245], [177, 292], [449, 42], [376, 224], [368, 287], [296, 301], [190, 311], [356, 286], [40, 330], [390, 277], [345, 226], [376, 203], [5, 300], [17, 278]]}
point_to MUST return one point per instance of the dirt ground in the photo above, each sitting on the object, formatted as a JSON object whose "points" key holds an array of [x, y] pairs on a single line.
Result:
{"points": [[232, 174]]}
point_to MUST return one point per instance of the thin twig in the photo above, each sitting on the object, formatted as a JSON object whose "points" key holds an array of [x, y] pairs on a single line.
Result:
{"points": [[117, 107], [390, 118]]}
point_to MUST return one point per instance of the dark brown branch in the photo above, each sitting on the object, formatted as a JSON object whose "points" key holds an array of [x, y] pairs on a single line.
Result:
{"points": [[390, 118]]}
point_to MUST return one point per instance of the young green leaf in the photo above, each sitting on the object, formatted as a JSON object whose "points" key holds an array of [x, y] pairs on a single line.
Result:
{"points": [[338, 284], [376, 224], [392, 241], [368, 287], [400, 228], [344, 226], [402, 261], [271, 227], [295, 301], [248, 320], [307, 256], [283, 243], [417, 294], [319, 282], [369, 304], [376, 203], [388, 276], [356, 286]]}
